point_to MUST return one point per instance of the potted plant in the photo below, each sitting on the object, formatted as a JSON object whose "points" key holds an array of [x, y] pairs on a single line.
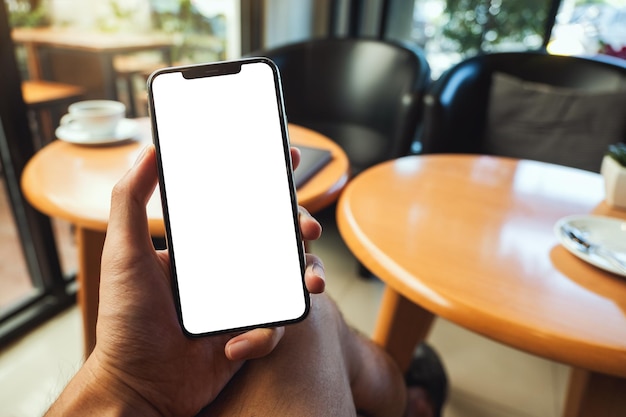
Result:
{"points": [[614, 172]]}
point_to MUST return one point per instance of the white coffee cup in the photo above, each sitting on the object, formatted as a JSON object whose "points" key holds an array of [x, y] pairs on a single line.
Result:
{"points": [[97, 118]]}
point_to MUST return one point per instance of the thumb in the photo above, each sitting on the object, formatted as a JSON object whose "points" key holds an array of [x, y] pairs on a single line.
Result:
{"points": [[128, 221]]}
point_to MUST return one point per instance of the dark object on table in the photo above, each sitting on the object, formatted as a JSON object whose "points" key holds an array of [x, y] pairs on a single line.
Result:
{"points": [[311, 161]]}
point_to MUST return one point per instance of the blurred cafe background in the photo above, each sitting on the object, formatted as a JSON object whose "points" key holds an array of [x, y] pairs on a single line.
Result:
{"points": [[62, 51]]}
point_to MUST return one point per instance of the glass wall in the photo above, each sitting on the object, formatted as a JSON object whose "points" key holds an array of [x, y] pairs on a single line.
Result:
{"points": [[590, 27], [31, 282], [15, 283], [38, 256], [451, 30]]}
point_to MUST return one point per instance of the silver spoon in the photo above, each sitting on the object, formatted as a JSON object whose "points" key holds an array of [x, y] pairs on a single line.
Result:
{"points": [[589, 247]]}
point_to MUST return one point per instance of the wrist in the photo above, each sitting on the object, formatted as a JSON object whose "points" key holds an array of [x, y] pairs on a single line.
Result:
{"points": [[94, 390]]}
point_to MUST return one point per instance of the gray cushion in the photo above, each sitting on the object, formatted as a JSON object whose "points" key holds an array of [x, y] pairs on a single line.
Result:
{"points": [[553, 124]]}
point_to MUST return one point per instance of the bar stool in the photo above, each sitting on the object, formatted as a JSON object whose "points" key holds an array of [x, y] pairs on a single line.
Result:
{"points": [[46, 100]]}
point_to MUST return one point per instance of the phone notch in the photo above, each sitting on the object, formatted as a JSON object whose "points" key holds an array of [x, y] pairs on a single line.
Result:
{"points": [[202, 71]]}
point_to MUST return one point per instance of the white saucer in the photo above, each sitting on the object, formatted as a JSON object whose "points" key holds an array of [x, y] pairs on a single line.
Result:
{"points": [[605, 232], [126, 129]]}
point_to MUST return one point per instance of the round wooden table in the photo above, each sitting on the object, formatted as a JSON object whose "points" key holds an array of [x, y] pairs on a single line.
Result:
{"points": [[470, 238], [74, 183]]}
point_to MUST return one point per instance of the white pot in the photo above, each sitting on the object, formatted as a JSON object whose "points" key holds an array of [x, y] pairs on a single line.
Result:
{"points": [[614, 182]]}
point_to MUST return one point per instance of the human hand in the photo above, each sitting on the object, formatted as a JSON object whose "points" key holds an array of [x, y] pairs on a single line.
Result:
{"points": [[142, 359]]}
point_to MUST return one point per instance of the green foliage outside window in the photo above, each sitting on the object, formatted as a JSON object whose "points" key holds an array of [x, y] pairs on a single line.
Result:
{"points": [[199, 37], [23, 14], [483, 25]]}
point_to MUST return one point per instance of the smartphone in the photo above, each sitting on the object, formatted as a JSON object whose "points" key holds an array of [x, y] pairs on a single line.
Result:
{"points": [[228, 196]]}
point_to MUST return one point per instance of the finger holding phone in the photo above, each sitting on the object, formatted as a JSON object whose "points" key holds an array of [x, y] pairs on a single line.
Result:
{"points": [[148, 358], [142, 361]]}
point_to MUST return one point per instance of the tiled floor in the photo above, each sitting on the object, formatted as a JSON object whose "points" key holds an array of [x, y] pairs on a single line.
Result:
{"points": [[487, 379]]}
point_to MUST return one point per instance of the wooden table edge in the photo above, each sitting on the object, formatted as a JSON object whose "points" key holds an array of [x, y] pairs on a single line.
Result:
{"points": [[597, 359]]}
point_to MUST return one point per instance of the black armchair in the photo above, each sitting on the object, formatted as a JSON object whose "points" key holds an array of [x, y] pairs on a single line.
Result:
{"points": [[365, 94], [558, 99]]}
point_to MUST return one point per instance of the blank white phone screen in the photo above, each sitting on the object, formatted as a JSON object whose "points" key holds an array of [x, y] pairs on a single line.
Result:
{"points": [[231, 215]]}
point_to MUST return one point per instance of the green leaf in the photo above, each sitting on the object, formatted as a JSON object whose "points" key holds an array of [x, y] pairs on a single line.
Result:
{"points": [[617, 151]]}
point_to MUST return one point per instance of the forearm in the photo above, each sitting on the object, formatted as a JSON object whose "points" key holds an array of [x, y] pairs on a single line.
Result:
{"points": [[94, 391]]}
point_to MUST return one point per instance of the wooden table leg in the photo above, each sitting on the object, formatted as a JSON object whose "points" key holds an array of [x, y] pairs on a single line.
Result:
{"points": [[90, 245], [592, 394], [401, 325]]}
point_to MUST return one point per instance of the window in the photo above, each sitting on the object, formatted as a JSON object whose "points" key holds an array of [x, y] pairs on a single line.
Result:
{"points": [[451, 30], [31, 282], [590, 27]]}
